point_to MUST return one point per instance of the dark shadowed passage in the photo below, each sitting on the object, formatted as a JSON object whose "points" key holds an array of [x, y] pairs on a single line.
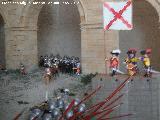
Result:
{"points": [[2, 41], [59, 30]]}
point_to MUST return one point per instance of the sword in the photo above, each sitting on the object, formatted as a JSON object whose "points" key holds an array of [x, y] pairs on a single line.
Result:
{"points": [[154, 71], [118, 71]]}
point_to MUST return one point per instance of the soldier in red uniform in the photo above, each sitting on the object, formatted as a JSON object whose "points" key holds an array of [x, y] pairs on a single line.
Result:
{"points": [[22, 69], [47, 75], [114, 61], [78, 66]]}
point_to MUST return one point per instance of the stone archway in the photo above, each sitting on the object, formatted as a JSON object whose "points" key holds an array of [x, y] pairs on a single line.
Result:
{"points": [[29, 20], [92, 54], [59, 30], [145, 33]]}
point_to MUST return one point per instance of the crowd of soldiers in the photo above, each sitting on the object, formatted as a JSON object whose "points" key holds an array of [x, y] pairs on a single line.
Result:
{"points": [[66, 64]]}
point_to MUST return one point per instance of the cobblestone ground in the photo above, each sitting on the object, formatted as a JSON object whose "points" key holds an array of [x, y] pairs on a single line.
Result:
{"points": [[19, 92]]}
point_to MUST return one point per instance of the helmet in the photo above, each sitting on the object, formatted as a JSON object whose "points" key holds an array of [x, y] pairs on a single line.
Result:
{"points": [[37, 111], [69, 114], [32, 116], [82, 108], [55, 113], [47, 116], [51, 105], [77, 101], [60, 103], [66, 91]]}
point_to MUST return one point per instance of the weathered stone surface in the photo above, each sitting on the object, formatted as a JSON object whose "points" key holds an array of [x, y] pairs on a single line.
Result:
{"points": [[21, 33], [141, 97]]}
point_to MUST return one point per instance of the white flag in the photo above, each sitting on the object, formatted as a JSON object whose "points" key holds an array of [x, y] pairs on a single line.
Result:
{"points": [[117, 15]]}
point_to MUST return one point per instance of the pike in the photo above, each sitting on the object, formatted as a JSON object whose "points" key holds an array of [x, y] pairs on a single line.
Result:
{"points": [[88, 96], [113, 94], [67, 110], [108, 109], [99, 105], [92, 107], [19, 114], [90, 117], [113, 101], [111, 110], [83, 100], [105, 114], [125, 115]]}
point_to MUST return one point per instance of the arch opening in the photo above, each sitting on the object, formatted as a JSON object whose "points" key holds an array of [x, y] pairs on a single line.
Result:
{"points": [[145, 33], [59, 30]]}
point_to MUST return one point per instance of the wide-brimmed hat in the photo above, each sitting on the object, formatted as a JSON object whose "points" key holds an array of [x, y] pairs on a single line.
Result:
{"points": [[147, 51], [132, 51], [116, 51]]}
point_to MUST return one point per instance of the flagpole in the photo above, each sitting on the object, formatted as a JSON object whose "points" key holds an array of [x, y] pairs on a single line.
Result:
{"points": [[106, 64], [105, 68]]}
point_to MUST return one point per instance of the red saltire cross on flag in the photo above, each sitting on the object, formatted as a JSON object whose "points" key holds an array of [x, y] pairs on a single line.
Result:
{"points": [[117, 15]]}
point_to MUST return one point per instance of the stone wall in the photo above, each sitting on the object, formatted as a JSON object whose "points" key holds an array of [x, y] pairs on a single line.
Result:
{"points": [[21, 34], [21, 45], [141, 98]]}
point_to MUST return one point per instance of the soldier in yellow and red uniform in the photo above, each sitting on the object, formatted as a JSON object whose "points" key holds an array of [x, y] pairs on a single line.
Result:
{"points": [[146, 62], [131, 62]]}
